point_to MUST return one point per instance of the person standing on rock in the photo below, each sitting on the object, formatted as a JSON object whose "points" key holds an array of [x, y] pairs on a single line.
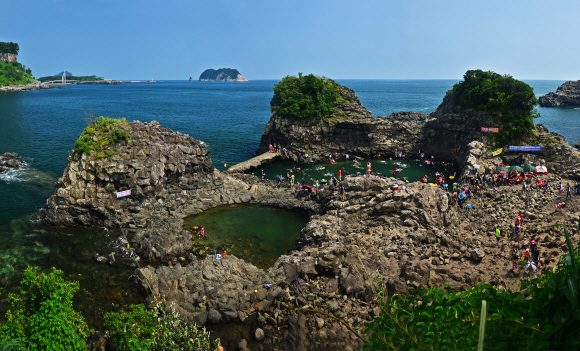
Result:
{"points": [[497, 234], [341, 190], [202, 232], [339, 174], [292, 181], [368, 169], [515, 257], [568, 191]]}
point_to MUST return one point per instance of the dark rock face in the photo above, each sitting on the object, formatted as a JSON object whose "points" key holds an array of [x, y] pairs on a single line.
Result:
{"points": [[350, 130], [567, 94], [10, 161]]}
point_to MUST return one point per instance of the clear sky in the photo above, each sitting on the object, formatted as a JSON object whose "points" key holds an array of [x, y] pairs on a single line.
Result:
{"points": [[402, 39]]}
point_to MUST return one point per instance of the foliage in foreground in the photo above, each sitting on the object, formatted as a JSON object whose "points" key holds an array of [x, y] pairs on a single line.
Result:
{"points": [[305, 97], [43, 316], [101, 133], [14, 73], [158, 329], [509, 100], [543, 315]]}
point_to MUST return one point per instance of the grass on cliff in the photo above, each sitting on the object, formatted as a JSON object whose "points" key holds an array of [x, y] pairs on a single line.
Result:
{"points": [[14, 73], [510, 101], [100, 134], [305, 97]]}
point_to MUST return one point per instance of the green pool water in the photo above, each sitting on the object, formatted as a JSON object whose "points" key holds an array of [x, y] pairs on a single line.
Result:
{"points": [[255, 233], [413, 170]]}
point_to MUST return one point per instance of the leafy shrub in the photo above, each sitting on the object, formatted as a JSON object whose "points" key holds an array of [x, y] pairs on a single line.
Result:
{"points": [[99, 134], [509, 100], [44, 318], [157, 329], [117, 136], [543, 315], [305, 97]]}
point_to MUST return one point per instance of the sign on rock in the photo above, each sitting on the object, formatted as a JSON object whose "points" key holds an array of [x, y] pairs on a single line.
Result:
{"points": [[123, 193], [525, 148], [489, 129]]}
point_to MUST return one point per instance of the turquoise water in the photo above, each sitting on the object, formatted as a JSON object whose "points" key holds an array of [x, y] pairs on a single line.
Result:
{"points": [[412, 170], [257, 234]]}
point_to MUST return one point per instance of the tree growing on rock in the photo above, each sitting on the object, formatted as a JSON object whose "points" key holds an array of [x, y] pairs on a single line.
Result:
{"points": [[509, 100], [305, 97]]}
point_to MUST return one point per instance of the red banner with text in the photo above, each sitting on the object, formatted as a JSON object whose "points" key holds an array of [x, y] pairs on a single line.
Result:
{"points": [[493, 130]]}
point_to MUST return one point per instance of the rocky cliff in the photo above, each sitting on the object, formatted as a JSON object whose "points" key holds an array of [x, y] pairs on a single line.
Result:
{"points": [[8, 57], [567, 94]]}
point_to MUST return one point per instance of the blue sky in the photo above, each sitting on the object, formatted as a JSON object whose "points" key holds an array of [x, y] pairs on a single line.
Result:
{"points": [[176, 39]]}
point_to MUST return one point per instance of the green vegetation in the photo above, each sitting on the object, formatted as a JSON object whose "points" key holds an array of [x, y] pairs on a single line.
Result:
{"points": [[9, 48], [100, 134], [158, 329], [509, 100], [543, 315], [306, 97], [214, 73], [14, 73], [42, 317], [77, 78]]}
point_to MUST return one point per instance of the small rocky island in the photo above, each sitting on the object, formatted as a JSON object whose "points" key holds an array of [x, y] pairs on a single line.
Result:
{"points": [[221, 75], [567, 94]]}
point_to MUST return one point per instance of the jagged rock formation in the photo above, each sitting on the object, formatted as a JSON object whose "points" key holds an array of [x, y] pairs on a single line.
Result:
{"points": [[10, 161], [567, 94], [409, 237]]}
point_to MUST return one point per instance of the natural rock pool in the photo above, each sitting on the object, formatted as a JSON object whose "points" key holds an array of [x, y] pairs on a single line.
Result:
{"points": [[255, 233], [412, 170]]}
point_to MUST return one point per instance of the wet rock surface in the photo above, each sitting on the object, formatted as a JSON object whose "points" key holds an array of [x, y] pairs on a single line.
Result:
{"points": [[10, 160], [567, 94]]}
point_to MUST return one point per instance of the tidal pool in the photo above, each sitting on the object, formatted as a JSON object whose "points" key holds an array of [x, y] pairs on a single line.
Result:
{"points": [[255, 233], [412, 170]]}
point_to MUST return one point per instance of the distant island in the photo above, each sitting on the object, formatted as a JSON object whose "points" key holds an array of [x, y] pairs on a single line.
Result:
{"points": [[221, 75]]}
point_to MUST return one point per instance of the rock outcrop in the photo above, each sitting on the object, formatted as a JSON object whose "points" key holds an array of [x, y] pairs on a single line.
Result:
{"points": [[10, 160], [8, 57], [567, 94], [33, 86]]}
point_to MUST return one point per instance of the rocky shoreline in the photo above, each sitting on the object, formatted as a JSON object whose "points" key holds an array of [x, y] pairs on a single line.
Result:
{"points": [[10, 160], [404, 237], [567, 94], [34, 86]]}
